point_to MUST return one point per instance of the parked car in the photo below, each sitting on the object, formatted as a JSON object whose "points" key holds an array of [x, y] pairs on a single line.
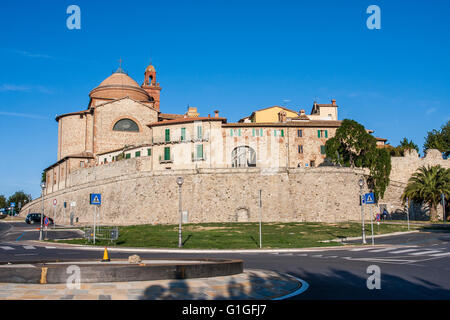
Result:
{"points": [[33, 218]]}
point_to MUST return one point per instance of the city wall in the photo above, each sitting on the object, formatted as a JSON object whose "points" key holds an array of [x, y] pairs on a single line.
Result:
{"points": [[134, 194]]}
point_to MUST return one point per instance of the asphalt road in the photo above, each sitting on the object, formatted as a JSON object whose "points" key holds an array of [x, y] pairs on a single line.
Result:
{"points": [[412, 266]]}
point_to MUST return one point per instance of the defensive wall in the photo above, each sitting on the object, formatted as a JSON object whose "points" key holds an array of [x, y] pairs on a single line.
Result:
{"points": [[134, 194]]}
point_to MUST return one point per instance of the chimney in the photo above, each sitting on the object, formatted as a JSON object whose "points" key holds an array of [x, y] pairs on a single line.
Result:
{"points": [[333, 102], [216, 113], [302, 112]]}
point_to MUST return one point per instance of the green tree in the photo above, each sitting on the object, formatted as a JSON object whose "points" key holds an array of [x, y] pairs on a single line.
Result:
{"points": [[439, 139], [21, 197], [3, 203], [352, 146], [426, 185], [43, 177], [404, 145]]}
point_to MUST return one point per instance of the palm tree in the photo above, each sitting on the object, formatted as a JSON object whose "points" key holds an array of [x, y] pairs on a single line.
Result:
{"points": [[426, 185]]}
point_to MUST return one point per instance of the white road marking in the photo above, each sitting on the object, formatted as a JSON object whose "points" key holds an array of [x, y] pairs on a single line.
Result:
{"points": [[440, 254], [50, 247], [29, 247], [302, 254], [406, 250], [331, 257], [317, 256], [382, 250], [423, 253], [361, 249], [7, 248]]}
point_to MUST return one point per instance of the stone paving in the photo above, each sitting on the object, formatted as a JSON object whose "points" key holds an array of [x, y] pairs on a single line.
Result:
{"points": [[251, 284]]}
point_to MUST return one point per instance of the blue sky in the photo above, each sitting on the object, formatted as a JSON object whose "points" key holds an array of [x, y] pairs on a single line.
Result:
{"points": [[234, 56]]}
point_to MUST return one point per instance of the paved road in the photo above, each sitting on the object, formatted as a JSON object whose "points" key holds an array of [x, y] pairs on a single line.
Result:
{"points": [[413, 266]]}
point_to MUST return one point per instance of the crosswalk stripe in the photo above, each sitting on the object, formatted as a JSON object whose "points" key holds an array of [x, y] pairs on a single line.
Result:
{"points": [[7, 248], [360, 249], [406, 250], [50, 247], [29, 247], [423, 252], [382, 250], [440, 254]]}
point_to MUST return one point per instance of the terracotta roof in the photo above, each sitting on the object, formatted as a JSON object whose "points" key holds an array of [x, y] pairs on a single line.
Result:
{"points": [[302, 117], [381, 139], [185, 120], [127, 148], [310, 123], [82, 155]]}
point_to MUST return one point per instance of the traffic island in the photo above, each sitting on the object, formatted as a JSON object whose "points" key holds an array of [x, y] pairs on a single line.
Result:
{"points": [[55, 272]]}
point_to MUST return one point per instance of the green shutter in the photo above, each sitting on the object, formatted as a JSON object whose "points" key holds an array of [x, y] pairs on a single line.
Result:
{"points": [[199, 132], [199, 151], [183, 134], [253, 132], [239, 132], [137, 154], [231, 132], [326, 133], [282, 132], [322, 149], [261, 133], [318, 133], [274, 132], [167, 135], [149, 152], [167, 153], [128, 156]]}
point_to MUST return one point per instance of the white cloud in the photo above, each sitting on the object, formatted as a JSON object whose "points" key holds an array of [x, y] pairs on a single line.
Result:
{"points": [[24, 88], [23, 115], [32, 55], [430, 111]]}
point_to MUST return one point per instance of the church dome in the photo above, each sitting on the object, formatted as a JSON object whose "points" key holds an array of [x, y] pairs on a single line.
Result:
{"points": [[119, 85]]}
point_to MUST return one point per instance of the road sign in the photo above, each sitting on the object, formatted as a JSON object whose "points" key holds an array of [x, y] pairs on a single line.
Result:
{"points": [[46, 221], [73, 204], [13, 204], [369, 198], [96, 199], [55, 202]]}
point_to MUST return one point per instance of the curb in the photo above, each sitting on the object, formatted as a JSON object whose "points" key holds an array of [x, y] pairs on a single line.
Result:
{"points": [[370, 236]]}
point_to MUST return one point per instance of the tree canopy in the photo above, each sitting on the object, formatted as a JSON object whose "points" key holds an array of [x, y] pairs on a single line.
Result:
{"points": [[3, 203], [439, 139], [352, 146], [19, 197]]}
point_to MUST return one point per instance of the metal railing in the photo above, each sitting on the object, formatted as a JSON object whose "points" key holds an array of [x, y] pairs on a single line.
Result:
{"points": [[101, 233], [179, 139]]}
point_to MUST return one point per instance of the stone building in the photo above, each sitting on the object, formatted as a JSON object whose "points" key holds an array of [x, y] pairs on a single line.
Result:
{"points": [[123, 120]]}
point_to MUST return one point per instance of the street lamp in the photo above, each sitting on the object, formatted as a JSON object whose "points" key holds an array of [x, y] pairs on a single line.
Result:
{"points": [[361, 185], [180, 181], [42, 214]]}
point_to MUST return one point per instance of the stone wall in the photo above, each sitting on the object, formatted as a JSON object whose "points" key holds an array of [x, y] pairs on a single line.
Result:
{"points": [[132, 194]]}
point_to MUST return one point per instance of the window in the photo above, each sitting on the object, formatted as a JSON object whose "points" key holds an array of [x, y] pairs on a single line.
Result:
{"points": [[322, 133], [126, 125], [183, 134], [199, 151], [322, 150], [167, 135], [167, 153], [137, 154], [149, 152], [299, 133], [81, 164], [199, 132], [313, 163], [282, 132], [128, 156], [300, 148]]}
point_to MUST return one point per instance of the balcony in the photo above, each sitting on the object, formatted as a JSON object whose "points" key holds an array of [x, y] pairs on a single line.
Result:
{"points": [[179, 139], [162, 160], [198, 158]]}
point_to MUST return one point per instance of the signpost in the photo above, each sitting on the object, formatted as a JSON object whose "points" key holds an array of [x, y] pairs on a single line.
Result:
{"points": [[443, 206], [95, 200], [55, 202], [369, 198], [260, 219], [13, 205], [46, 223]]}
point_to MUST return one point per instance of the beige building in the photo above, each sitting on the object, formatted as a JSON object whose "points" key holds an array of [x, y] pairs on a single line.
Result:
{"points": [[123, 121]]}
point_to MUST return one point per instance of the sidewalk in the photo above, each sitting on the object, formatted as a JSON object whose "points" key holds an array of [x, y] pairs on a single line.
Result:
{"points": [[252, 284]]}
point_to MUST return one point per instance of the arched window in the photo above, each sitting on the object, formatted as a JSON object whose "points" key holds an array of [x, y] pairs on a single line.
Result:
{"points": [[243, 156], [126, 125], [151, 99]]}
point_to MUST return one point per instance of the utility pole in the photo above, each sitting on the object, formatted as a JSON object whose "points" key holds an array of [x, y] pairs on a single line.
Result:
{"points": [[180, 181], [260, 219]]}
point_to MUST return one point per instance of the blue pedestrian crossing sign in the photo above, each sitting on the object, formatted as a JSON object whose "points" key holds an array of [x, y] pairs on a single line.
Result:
{"points": [[96, 199], [369, 198], [13, 204]]}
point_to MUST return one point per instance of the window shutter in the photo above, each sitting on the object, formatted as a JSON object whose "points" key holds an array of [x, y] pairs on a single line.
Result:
{"points": [[231, 132], [137, 154], [167, 153], [199, 151], [199, 132], [167, 135], [261, 132], [322, 149], [149, 152], [239, 132], [326, 133], [282, 132], [183, 134], [318, 133], [253, 132]]}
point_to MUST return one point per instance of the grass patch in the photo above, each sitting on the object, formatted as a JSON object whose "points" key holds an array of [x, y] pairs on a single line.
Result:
{"points": [[240, 235]]}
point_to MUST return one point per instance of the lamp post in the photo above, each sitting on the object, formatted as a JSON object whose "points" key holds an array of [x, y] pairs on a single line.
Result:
{"points": [[180, 181], [42, 214], [361, 185]]}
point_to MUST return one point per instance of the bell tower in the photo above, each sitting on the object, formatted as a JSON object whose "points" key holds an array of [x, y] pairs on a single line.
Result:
{"points": [[151, 86]]}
